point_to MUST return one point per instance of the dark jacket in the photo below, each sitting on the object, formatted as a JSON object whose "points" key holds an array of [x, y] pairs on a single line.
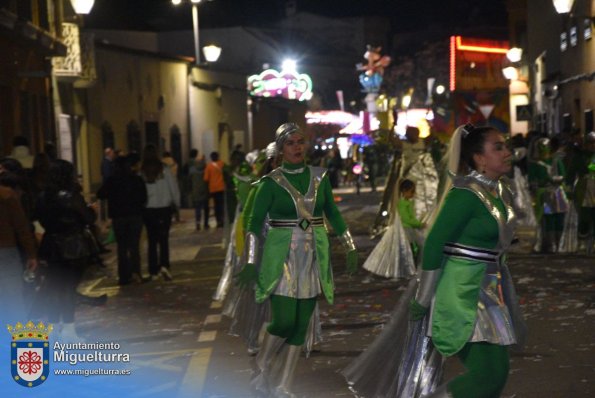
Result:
{"points": [[198, 186], [61, 214], [126, 195]]}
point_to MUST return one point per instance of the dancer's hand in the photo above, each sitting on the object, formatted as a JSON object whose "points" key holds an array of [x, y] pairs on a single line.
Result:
{"points": [[247, 276], [352, 258], [416, 311]]}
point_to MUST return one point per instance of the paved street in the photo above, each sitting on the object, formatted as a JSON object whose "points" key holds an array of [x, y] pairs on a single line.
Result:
{"points": [[176, 333]]}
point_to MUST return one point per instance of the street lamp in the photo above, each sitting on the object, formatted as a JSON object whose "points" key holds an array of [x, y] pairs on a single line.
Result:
{"points": [[511, 73], [194, 26], [514, 54], [211, 52], [563, 6], [82, 6]]}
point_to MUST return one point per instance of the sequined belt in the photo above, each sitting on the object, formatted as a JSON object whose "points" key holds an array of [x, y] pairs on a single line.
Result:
{"points": [[304, 223], [472, 253]]}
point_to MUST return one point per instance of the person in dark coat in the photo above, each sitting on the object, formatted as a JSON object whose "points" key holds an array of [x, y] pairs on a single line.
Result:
{"points": [[64, 215], [126, 197]]}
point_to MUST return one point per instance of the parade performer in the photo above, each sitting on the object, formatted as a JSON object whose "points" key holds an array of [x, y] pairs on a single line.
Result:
{"points": [[248, 316], [584, 196], [522, 195], [546, 177], [242, 180], [465, 304], [392, 257], [295, 266]]}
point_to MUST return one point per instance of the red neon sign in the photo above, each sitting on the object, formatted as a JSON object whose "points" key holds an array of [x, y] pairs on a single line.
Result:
{"points": [[481, 49], [456, 44], [452, 64]]}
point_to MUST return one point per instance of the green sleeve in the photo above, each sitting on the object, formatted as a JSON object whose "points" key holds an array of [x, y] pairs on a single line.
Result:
{"points": [[264, 198], [537, 175], [242, 191], [451, 221], [330, 208], [407, 214], [248, 206]]}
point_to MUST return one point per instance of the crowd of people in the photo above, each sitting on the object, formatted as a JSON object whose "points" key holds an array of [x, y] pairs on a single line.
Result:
{"points": [[50, 234], [447, 221]]}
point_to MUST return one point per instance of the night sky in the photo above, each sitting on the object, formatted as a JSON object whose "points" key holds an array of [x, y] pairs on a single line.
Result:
{"points": [[405, 15]]}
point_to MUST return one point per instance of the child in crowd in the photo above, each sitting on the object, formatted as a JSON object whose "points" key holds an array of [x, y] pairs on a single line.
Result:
{"points": [[412, 226]]}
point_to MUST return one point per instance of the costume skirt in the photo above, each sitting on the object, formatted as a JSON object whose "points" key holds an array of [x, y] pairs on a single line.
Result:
{"points": [[392, 256], [401, 362], [231, 265]]}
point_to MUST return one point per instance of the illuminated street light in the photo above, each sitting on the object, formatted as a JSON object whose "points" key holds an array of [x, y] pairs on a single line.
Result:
{"points": [[440, 89], [211, 52], [82, 6], [289, 65], [563, 6], [511, 73], [194, 27], [514, 54]]}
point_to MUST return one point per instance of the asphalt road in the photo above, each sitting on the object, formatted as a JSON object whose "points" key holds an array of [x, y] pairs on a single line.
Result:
{"points": [[178, 338]]}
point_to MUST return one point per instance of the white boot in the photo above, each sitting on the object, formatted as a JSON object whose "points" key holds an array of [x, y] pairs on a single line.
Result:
{"points": [[283, 389], [69, 334]]}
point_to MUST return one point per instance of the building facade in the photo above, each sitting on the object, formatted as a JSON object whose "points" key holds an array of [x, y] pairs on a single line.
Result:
{"points": [[29, 35], [559, 64]]}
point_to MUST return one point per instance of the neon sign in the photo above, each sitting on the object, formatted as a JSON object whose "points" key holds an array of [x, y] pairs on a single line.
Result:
{"points": [[481, 49], [286, 84], [456, 44]]}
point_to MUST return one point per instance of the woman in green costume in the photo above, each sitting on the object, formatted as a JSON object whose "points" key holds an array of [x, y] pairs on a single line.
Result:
{"points": [[465, 286], [295, 265]]}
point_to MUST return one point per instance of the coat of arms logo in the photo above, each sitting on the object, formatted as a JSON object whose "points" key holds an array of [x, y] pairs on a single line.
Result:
{"points": [[29, 353]]}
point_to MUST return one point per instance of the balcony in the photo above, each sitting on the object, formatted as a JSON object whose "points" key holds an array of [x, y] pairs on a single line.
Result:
{"points": [[78, 64]]}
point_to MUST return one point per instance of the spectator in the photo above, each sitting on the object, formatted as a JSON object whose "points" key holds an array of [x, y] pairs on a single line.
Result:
{"points": [[199, 191], [214, 178], [170, 162], [185, 185], [50, 149], [162, 194], [107, 169], [21, 151], [334, 164], [17, 178], [15, 232], [126, 196], [64, 215], [107, 164]]}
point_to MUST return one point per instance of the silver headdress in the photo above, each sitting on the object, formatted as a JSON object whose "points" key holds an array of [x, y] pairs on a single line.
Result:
{"points": [[284, 131], [271, 150]]}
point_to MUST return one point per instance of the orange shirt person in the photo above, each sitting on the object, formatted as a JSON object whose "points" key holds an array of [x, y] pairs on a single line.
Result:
{"points": [[214, 178]]}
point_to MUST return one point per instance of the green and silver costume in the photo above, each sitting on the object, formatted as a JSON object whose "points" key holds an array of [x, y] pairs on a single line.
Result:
{"points": [[474, 300], [295, 259]]}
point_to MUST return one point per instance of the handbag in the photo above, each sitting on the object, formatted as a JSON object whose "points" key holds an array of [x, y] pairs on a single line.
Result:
{"points": [[74, 246], [92, 242]]}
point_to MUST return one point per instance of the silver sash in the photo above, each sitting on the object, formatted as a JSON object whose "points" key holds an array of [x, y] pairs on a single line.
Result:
{"points": [[301, 275]]}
